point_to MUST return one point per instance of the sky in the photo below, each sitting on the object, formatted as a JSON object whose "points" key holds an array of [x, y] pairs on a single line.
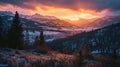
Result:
{"points": [[63, 9]]}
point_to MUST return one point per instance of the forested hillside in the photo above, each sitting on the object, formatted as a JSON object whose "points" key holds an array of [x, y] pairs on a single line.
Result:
{"points": [[105, 40]]}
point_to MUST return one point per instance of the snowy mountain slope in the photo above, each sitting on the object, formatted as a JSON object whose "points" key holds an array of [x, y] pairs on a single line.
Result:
{"points": [[52, 27], [104, 38], [37, 20], [49, 21], [100, 22], [105, 21]]}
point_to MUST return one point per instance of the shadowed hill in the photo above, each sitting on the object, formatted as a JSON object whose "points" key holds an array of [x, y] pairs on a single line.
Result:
{"points": [[105, 39]]}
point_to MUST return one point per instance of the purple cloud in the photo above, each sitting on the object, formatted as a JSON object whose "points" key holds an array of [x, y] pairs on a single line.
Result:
{"points": [[72, 4]]}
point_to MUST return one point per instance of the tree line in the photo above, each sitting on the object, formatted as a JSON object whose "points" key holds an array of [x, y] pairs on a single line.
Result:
{"points": [[14, 37]]}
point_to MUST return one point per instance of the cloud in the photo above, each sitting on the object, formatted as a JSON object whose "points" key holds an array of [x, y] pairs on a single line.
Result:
{"points": [[63, 9], [71, 4], [18, 3]]}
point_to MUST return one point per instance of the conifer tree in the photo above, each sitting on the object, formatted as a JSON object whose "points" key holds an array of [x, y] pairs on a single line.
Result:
{"points": [[41, 38], [87, 47], [15, 33], [40, 45], [1, 32], [36, 42], [65, 50], [114, 54], [27, 39]]}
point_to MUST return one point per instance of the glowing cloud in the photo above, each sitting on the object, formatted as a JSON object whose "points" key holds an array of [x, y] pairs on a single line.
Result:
{"points": [[70, 14], [57, 11]]}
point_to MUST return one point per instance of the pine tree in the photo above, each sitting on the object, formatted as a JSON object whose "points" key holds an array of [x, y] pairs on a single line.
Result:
{"points": [[114, 54], [41, 38], [40, 45], [15, 33], [27, 39], [65, 50], [1, 32], [80, 58], [87, 47], [36, 42], [86, 50]]}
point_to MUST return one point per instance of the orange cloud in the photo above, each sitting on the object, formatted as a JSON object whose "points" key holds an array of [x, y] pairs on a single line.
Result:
{"points": [[59, 12], [70, 14], [9, 7]]}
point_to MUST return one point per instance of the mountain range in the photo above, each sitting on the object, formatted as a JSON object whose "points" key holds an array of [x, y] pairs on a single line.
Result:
{"points": [[53, 27]]}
